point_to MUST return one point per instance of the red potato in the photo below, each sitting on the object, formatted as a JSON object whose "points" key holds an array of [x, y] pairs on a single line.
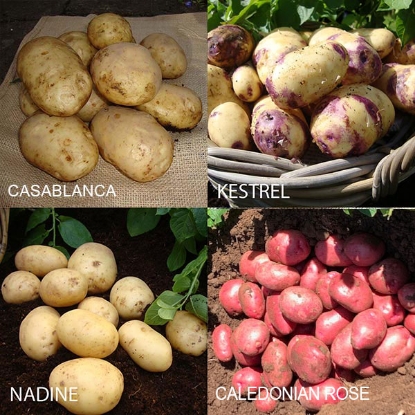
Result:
{"points": [[330, 391], [300, 305], [396, 349], [331, 252], [358, 271], [310, 359], [368, 329], [249, 262], [288, 247], [275, 365], [271, 328], [366, 369], [364, 249], [281, 324], [388, 276], [241, 358], [251, 336], [351, 292], [252, 300], [330, 323], [265, 402], [409, 323], [342, 352], [406, 296], [221, 342], [311, 273], [322, 290], [229, 297], [389, 305], [275, 276], [247, 380], [291, 343]]}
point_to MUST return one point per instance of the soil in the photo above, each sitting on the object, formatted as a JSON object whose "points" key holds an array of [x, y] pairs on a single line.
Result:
{"points": [[181, 389], [388, 394]]}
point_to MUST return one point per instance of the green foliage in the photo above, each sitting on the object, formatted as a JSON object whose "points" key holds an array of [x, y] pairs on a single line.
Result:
{"points": [[371, 212], [215, 216], [262, 16]]}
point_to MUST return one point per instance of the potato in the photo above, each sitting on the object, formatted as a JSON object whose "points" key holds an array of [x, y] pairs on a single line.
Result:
{"points": [[252, 300], [391, 308], [54, 75], [357, 271], [167, 52], [63, 287], [109, 28], [80, 43], [247, 380], [97, 385], [406, 296], [322, 290], [310, 274], [249, 261], [347, 121], [39, 259], [96, 262], [87, 334], [26, 103], [251, 336], [134, 142], [229, 296], [242, 358], [246, 83], [404, 55], [229, 46], [19, 287], [265, 401], [94, 104], [221, 342], [368, 329], [305, 75], [282, 325], [176, 107], [330, 251], [60, 146], [102, 307], [229, 127], [130, 296], [147, 347], [322, 34], [409, 323], [126, 74], [364, 249], [276, 276], [381, 39], [37, 333], [366, 369], [187, 333]]}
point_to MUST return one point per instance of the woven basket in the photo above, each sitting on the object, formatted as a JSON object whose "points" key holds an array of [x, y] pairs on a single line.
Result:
{"points": [[4, 226], [317, 180]]}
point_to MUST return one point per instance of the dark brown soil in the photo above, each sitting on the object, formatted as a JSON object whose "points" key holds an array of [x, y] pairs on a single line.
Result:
{"points": [[179, 390], [243, 230]]}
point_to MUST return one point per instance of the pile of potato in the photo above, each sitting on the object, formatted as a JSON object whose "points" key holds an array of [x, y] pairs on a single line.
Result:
{"points": [[340, 90], [93, 327], [312, 320], [100, 93]]}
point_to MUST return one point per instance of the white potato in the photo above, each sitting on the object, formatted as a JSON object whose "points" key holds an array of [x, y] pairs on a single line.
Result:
{"points": [[39, 259], [187, 333], [96, 262], [94, 104], [380, 38], [87, 334], [37, 333], [19, 287], [63, 287], [102, 307], [80, 43], [26, 103], [61, 146], [96, 385], [246, 83], [130, 296], [147, 347]]}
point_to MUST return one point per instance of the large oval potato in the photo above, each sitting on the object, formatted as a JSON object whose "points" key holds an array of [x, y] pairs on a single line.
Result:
{"points": [[80, 43], [39, 259], [19, 287], [96, 385], [147, 347], [134, 142], [174, 106], [96, 262], [57, 80], [126, 74], [61, 146], [37, 333], [87, 334]]}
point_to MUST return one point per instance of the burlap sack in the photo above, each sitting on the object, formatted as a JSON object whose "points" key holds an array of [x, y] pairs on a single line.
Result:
{"points": [[184, 185]]}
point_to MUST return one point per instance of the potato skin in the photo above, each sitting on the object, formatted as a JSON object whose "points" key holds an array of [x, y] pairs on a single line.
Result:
{"points": [[102, 307], [80, 43], [221, 342], [252, 300], [61, 146], [246, 83], [381, 39], [26, 103], [364, 249], [134, 142], [19, 287], [229, 296], [54, 75], [94, 104]]}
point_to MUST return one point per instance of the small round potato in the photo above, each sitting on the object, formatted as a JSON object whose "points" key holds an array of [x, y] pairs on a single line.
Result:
{"points": [[102, 307], [94, 104], [167, 53], [37, 333], [147, 347], [126, 74], [96, 385], [60, 146], [134, 142], [26, 103], [246, 83], [39, 259], [19, 287], [63, 287], [108, 28], [87, 334], [130, 296], [80, 43], [96, 262], [187, 333]]}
